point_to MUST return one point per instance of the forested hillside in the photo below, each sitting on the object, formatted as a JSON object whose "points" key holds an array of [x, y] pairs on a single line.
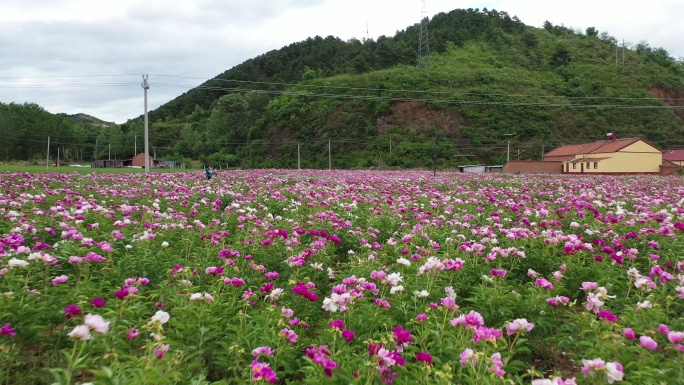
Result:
{"points": [[493, 87]]}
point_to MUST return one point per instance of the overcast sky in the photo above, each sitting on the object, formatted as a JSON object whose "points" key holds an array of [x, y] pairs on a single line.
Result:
{"points": [[88, 56]]}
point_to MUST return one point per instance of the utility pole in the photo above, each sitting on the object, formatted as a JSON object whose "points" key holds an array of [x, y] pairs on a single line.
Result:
{"points": [[623, 52], [57, 155], [146, 87], [47, 159], [423, 40], [135, 145], [329, 156], [299, 162], [95, 154], [110, 151], [390, 144], [508, 152], [542, 158]]}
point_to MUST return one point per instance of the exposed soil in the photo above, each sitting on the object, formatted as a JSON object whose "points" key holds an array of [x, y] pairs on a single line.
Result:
{"points": [[671, 98], [419, 116]]}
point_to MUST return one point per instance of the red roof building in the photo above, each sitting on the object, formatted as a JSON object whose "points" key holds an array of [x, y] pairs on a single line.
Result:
{"points": [[611, 156], [675, 156]]}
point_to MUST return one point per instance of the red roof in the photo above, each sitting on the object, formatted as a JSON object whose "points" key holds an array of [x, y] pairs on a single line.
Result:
{"points": [[674, 155], [582, 160], [604, 146]]}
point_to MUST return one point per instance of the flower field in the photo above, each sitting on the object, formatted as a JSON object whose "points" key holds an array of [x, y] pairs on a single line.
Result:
{"points": [[341, 277]]}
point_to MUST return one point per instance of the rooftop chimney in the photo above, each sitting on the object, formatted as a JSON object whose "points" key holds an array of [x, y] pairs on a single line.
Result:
{"points": [[611, 136]]}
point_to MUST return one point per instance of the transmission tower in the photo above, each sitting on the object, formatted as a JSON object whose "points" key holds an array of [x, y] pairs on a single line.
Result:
{"points": [[423, 40]]}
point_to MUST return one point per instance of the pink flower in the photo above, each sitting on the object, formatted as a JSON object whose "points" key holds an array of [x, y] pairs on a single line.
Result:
{"points": [[497, 365], [290, 335], [541, 282], [59, 280], [265, 350], [6, 330], [589, 286], [517, 325], [675, 337], [421, 317], [97, 323], [498, 272], [466, 356], [588, 366], [648, 343]]}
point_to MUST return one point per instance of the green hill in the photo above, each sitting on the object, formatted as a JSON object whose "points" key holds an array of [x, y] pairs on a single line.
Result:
{"points": [[491, 82]]}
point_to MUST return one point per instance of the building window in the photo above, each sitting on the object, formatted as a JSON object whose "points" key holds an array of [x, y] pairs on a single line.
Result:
{"points": [[588, 165], [574, 166], [595, 164]]}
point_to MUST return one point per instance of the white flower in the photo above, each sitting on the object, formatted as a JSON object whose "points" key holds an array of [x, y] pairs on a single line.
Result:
{"points": [[394, 279], [404, 261], [330, 304], [16, 262], [395, 289], [160, 316], [614, 374], [81, 332], [165, 244], [195, 296], [421, 294]]}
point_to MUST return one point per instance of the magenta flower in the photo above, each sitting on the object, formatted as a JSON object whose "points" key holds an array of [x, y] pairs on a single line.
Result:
{"points": [[72, 311], [608, 316], [6, 330], [348, 335], [132, 333], [160, 351], [541, 282], [424, 357], [402, 337], [337, 324], [421, 317], [648, 343], [263, 372], [498, 272], [59, 280], [628, 333], [98, 302]]}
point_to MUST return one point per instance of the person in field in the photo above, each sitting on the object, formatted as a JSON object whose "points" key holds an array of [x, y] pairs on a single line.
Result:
{"points": [[208, 172]]}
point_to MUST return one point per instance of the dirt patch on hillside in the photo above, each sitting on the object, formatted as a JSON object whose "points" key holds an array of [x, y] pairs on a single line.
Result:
{"points": [[671, 98], [419, 116]]}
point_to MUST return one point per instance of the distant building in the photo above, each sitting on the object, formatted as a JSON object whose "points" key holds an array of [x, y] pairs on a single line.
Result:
{"points": [[139, 161], [107, 163], [675, 156], [611, 156]]}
